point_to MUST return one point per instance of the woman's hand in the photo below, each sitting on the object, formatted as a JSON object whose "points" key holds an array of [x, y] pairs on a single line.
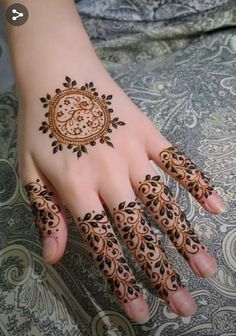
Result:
{"points": [[87, 143], [81, 143]]}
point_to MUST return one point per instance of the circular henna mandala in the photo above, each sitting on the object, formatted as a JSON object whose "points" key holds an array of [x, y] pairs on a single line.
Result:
{"points": [[77, 117]]}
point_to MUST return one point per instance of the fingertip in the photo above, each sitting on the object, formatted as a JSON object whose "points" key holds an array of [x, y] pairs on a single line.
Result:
{"points": [[50, 250], [203, 264], [214, 203], [182, 303], [137, 310]]}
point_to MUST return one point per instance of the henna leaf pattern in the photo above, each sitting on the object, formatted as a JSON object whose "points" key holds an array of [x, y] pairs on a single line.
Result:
{"points": [[44, 209], [159, 200], [146, 248], [107, 254], [185, 171]]}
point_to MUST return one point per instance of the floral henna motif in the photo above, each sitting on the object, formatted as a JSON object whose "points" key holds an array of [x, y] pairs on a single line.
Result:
{"points": [[44, 209], [77, 117], [185, 171], [159, 200], [144, 246], [107, 254]]}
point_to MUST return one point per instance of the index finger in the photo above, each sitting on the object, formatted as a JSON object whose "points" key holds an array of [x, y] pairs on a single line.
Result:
{"points": [[107, 253]]}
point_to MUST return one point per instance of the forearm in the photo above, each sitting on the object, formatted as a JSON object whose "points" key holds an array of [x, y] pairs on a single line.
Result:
{"points": [[52, 35]]}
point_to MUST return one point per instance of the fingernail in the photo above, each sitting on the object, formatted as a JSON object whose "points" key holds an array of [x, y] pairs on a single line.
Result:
{"points": [[137, 310], [203, 264], [182, 303], [215, 203], [49, 249]]}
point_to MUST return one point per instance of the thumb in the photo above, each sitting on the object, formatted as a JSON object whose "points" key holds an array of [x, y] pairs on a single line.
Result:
{"points": [[49, 213]]}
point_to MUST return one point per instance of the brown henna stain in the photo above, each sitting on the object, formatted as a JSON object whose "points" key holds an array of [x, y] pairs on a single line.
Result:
{"points": [[107, 254], [158, 198], [146, 249], [77, 117], [185, 171], [45, 211]]}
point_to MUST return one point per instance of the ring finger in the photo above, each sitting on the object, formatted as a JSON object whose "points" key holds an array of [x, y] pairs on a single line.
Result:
{"points": [[159, 200]]}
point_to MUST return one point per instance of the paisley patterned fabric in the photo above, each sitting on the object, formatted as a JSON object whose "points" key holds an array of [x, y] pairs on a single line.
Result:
{"points": [[177, 62]]}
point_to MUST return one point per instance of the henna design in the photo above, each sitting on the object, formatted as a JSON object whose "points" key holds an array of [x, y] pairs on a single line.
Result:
{"points": [[107, 254], [144, 246], [44, 209], [185, 171], [77, 117], [158, 198]]}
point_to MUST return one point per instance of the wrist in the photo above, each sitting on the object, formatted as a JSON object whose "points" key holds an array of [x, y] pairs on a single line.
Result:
{"points": [[52, 36]]}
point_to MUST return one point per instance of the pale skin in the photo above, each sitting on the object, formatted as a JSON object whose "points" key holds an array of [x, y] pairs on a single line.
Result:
{"points": [[49, 48]]}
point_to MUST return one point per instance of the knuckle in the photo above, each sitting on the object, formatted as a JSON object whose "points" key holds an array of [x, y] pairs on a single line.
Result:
{"points": [[70, 180]]}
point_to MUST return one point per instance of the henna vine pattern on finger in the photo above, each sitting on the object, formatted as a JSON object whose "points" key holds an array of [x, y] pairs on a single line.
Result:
{"points": [[78, 117], [44, 209], [107, 254], [146, 249], [185, 171], [158, 198]]}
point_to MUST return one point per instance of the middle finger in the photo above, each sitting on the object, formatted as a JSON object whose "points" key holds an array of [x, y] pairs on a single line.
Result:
{"points": [[146, 248]]}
